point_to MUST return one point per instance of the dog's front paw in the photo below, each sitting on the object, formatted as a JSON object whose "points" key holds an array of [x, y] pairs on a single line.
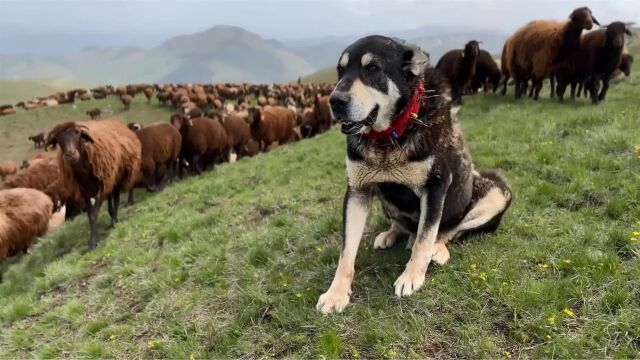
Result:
{"points": [[332, 302], [385, 239], [440, 253], [410, 241], [410, 281]]}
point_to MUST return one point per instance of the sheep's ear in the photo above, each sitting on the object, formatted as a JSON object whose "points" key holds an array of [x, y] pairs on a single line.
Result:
{"points": [[595, 21], [51, 143], [415, 61], [85, 135]]}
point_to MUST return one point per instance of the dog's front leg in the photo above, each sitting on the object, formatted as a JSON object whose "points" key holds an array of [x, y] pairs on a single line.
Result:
{"points": [[431, 205], [355, 211]]}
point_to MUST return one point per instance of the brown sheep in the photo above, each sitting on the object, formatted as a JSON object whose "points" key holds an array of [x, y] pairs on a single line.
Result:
{"points": [[161, 144], [7, 168], [539, 46], [148, 92], [94, 113], [38, 140], [239, 133], [40, 174], [271, 124], [459, 67], [204, 141], [24, 215], [487, 72], [100, 159], [126, 101]]}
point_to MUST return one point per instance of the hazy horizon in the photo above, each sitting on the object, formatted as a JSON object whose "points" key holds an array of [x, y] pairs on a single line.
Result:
{"points": [[59, 26]]}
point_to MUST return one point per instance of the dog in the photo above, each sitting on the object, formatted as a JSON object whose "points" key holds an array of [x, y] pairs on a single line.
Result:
{"points": [[404, 147]]}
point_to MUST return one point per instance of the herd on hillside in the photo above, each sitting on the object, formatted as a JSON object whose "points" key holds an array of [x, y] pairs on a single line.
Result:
{"points": [[99, 159]]}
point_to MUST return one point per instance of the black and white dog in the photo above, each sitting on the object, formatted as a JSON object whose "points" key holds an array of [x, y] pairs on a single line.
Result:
{"points": [[405, 147]]}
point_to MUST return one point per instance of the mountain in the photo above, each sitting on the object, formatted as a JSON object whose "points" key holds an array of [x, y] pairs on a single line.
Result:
{"points": [[219, 54]]}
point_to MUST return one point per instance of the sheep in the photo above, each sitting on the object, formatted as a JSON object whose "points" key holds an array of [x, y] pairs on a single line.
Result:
{"points": [[538, 47], [100, 159], [602, 50], [7, 110], [487, 72], [271, 124], [40, 173], [38, 140], [626, 62], [98, 95], [161, 144], [204, 141], [148, 92], [94, 113], [599, 57], [238, 132], [85, 97], [459, 67], [7, 168], [24, 215], [126, 101]]}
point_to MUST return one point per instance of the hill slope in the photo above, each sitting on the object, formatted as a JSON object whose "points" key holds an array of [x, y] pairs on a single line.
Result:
{"points": [[219, 54], [232, 263]]}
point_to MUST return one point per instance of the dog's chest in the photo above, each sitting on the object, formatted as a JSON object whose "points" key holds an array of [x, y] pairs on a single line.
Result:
{"points": [[388, 167]]}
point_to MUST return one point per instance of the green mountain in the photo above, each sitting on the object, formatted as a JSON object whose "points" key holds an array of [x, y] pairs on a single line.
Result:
{"points": [[219, 54]]}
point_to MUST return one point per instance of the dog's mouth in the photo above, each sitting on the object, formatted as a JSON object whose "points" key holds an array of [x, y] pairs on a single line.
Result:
{"points": [[353, 127]]}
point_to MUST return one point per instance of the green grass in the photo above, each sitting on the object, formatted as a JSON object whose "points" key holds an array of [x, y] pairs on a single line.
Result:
{"points": [[12, 91], [325, 75], [16, 128], [231, 263]]}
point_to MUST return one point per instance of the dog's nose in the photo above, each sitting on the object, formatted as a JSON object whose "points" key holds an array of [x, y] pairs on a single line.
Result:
{"points": [[339, 101]]}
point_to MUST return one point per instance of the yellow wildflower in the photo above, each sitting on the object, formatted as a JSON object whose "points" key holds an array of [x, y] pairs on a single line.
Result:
{"points": [[472, 266], [548, 337], [636, 233], [568, 312], [552, 320], [152, 343], [566, 261], [191, 357], [318, 248], [507, 354], [112, 337], [298, 295], [483, 276], [543, 266]]}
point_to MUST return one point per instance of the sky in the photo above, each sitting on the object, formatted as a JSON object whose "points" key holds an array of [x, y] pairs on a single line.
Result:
{"points": [[45, 26]]}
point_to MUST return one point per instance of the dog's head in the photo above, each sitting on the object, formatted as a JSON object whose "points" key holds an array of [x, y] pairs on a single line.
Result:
{"points": [[376, 78]]}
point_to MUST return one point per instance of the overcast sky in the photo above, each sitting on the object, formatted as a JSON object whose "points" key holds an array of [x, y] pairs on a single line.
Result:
{"points": [[27, 25]]}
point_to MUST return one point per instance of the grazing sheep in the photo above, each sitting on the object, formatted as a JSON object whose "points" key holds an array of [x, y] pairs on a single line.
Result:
{"points": [[271, 124], [148, 92], [38, 140], [7, 168], [24, 215], [204, 141], [626, 62], [7, 110], [487, 72], [459, 67], [100, 159], [538, 47], [161, 144], [98, 95], [94, 113], [126, 101]]}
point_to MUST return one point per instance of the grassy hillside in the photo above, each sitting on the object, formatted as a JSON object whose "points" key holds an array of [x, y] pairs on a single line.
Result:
{"points": [[13, 91], [231, 263], [15, 129], [324, 75]]}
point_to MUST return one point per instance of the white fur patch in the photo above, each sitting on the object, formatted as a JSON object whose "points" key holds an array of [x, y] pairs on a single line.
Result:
{"points": [[365, 98], [411, 174], [366, 59], [344, 60]]}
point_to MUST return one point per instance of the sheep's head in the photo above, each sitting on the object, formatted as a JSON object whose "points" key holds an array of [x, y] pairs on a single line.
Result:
{"points": [[583, 18], [615, 33], [472, 49], [626, 63], [71, 138], [180, 122]]}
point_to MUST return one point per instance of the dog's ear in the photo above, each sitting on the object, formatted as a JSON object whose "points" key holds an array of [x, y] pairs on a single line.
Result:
{"points": [[415, 61]]}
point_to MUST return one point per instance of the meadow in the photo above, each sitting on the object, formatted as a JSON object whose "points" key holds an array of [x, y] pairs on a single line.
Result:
{"points": [[231, 263]]}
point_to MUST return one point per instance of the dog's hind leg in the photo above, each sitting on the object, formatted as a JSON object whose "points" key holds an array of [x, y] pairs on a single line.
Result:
{"points": [[387, 238], [491, 199]]}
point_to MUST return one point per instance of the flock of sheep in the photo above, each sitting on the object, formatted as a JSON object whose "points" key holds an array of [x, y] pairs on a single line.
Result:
{"points": [[98, 160]]}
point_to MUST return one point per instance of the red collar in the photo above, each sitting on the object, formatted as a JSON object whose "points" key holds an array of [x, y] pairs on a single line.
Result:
{"points": [[399, 124]]}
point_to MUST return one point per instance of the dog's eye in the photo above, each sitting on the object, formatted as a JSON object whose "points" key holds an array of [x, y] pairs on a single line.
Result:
{"points": [[340, 69], [372, 68]]}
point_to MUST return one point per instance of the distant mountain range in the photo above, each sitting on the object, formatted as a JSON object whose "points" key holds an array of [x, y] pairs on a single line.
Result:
{"points": [[220, 54]]}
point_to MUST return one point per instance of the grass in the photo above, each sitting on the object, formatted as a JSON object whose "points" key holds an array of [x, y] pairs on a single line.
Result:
{"points": [[12, 91], [15, 129], [231, 263]]}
